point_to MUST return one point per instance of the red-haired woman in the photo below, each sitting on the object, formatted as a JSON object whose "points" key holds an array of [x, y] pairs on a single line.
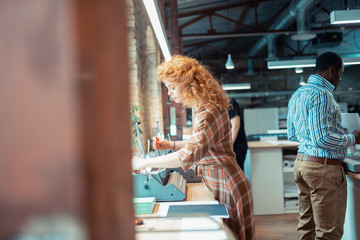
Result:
{"points": [[209, 149]]}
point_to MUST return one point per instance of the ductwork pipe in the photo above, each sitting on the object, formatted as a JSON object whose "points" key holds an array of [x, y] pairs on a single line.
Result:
{"points": [[302, 31], [250, 67], [286, 18], [271, 47]]}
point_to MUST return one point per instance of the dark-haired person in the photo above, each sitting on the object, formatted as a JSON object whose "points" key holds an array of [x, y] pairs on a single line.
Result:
{"points": [[314, 120], [239, 140], [209, 147]]}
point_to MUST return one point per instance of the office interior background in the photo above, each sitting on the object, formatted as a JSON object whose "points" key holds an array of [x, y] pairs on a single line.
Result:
{"points": [[71, 69], [257, 33], [272, 46]]}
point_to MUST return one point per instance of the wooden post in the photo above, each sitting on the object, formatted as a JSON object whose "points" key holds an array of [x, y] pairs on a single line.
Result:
{"points": [[64, 119]]}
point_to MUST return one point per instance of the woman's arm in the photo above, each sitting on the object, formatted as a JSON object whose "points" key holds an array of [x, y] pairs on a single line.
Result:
{"points": [[166, 161], [161, 144], [179, 144]]}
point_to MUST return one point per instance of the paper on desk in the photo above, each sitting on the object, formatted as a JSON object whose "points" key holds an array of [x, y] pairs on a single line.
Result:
{"points": [[164, 206], [282, 142], [351, 121]]}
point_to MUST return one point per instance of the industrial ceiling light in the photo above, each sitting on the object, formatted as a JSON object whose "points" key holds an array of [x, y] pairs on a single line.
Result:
{"points": [[236, 86], [302, 82], [352, 61], [291, 63], [154, 15], [229, 63], [345, 16], [281, 64], [299, 70]]}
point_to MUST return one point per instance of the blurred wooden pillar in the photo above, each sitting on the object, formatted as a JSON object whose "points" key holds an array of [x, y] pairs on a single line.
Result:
{"points": [[64, 119], [104, 70]]}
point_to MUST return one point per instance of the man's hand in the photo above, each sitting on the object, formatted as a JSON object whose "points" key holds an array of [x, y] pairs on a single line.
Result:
{"points": [[357, 136]]}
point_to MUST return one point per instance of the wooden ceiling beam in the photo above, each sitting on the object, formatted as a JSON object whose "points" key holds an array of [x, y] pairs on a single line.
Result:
{"points": [[234, 21], [275, 16], [193, 21], [214, 9], [221, 36], [202, 42]]}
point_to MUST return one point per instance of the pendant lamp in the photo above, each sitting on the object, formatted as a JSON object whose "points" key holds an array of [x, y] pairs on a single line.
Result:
{"points": [[229, 63]]}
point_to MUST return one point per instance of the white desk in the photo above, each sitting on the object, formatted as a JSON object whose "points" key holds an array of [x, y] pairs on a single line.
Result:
{"points": [[158, 228], [352, 218], [267, 182]]}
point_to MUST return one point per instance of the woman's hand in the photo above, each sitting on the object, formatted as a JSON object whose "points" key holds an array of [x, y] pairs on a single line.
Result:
{"points": [[138, 163], [161, 144]]}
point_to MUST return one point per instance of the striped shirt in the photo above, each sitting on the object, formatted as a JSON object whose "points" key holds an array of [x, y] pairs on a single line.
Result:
{"points": [[314, 120], [210, 149]]}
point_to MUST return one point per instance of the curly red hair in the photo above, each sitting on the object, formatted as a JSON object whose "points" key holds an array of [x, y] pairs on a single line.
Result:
{"points": [[200, 87]]}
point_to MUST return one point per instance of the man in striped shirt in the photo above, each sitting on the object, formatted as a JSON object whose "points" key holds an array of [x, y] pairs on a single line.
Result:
{"points": [[314, 120]]}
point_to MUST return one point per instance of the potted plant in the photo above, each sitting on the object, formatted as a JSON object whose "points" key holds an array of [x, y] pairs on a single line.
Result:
{"points": [[135, 119]]}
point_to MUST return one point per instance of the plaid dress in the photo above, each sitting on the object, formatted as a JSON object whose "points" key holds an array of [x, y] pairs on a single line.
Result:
{"points": [[209, 149]]}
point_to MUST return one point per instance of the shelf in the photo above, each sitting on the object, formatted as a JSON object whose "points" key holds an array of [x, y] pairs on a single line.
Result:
{"points": [[290, 191], [288, 163], [288, 169], [291, 204], [290, 195], [291, 201]]}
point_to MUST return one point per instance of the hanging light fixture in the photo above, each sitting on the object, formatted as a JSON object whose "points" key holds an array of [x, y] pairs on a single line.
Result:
{"points": [[281, 64], [299, 70], [345, 16], [236, 86], [229, 63], [302, 82]]}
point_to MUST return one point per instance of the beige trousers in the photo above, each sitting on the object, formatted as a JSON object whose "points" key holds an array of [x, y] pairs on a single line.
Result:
{"points": [[322, 200]]}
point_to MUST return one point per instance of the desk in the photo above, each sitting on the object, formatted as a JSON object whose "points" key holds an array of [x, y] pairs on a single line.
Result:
{"points": [[156, 228], [352, 218], [267, 180], [258, 145], [267, 186]]}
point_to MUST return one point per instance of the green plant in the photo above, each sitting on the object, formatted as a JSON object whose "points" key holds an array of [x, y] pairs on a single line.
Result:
{"points": [[134, 109]]}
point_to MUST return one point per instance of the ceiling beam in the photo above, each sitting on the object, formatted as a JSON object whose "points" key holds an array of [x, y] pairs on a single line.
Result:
{"points": [[211, 13], [193, 21], [323, 9], [275, 16], [202, 42], [234, 21], [241, 18], [207, 10], [263, 33]]}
